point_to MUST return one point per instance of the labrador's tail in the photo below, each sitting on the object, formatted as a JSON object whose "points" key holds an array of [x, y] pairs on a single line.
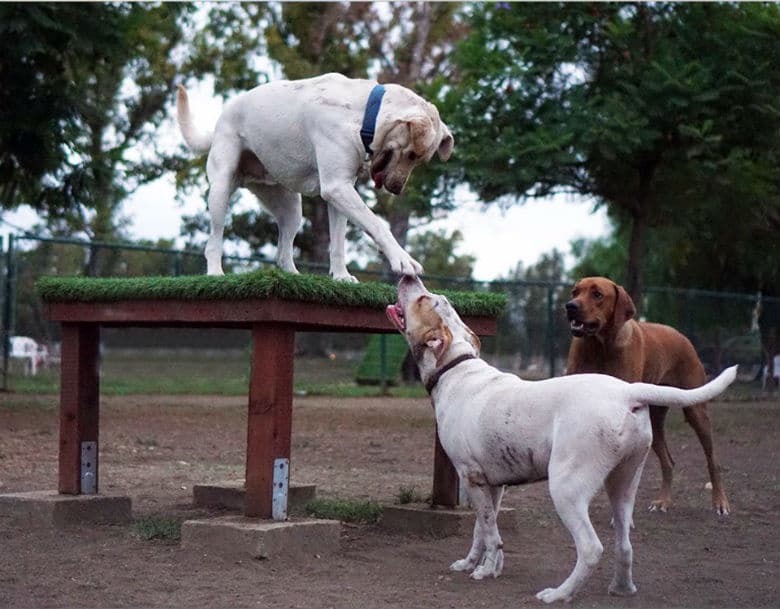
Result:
{"points": [[672, 396], [196, 139]]}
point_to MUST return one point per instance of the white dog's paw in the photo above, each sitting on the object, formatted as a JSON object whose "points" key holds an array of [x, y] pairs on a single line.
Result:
{"points": [[489, 568], [464, 564], [345, 276], [404, 264], [551, 595]]}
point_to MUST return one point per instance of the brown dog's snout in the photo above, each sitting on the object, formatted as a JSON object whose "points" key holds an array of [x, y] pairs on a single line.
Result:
{"points": [[572, 308]]}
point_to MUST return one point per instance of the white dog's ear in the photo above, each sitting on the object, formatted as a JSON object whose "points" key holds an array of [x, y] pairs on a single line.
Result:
{"points": [[421, 134], [474, 340], [446, 144], [439, 340]]}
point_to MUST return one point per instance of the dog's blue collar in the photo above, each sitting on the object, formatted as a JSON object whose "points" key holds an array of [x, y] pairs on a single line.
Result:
{"points": [[369, 117]]}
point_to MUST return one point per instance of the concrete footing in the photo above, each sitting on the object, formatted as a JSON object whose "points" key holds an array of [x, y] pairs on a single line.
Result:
{"points": [[231, 495], [51, 508], [423, 519], [238, 537]]}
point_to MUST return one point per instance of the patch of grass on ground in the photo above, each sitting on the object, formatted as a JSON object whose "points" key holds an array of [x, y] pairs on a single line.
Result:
{"points": [[409, 494], [359, 512], [158, 527]]}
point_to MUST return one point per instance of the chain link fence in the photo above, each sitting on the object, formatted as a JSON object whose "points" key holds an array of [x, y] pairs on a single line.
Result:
{"points": [[532, 339]]}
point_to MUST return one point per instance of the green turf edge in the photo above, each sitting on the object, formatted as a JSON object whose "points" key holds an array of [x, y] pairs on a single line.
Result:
{"points": [[265, 283]]}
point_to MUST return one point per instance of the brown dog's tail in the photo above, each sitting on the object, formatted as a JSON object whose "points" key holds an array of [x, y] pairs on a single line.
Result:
{"points": [[196, 139], [672, 396]]}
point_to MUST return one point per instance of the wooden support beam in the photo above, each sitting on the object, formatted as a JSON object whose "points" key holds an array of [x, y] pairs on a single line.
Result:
{"points": [[445, 478], [79, 403], [269, 426]]}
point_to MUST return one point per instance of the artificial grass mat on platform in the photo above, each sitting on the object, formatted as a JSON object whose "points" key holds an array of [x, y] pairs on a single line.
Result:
{"points": [[266, 283]]}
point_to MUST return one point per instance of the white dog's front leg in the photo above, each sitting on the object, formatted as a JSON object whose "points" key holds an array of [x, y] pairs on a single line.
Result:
{"points": [[485, 499], [343, 197], [474, 557]]}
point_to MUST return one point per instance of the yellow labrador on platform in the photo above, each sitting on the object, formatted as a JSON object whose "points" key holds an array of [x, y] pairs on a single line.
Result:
{"points": [[312, 136], [579, 432]]}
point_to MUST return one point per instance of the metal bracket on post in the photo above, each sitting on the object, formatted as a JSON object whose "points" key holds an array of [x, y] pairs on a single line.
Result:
{"points": [[281, 485], [89, 468]]}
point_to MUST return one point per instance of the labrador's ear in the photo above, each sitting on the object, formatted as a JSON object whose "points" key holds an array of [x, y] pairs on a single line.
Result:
{"points": [[421, 134], [446, 144], [438, 340], [624, 307]]}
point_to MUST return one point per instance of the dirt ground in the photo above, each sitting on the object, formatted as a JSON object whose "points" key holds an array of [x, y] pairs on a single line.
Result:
{"points": [[154, 448]]}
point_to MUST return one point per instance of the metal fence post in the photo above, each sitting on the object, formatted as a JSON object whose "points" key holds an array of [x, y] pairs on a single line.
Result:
{"points": [[8, 312], [178, 265]]}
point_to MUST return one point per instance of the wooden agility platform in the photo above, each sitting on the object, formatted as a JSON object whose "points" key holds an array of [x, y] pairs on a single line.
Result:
{"points": [[273, 322]]}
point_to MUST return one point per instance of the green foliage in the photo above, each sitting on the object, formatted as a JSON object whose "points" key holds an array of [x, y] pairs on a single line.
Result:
{"points": [[267, 283], [116, 65], [436, 251], [157, 527], [409, 494], [359, 512], [667, 113]]}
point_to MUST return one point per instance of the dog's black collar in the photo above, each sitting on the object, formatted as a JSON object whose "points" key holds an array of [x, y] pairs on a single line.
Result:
{"points": [[446, 368], [369, 117]]}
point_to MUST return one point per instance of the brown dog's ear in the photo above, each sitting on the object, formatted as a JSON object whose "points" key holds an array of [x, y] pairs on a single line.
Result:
{"points": [[624, 307], [439, 340]]}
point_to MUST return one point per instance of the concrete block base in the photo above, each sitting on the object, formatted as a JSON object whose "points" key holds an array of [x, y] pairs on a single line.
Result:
{"points": [[423, 519], [231, 495], [238, 537], [51, 508]]}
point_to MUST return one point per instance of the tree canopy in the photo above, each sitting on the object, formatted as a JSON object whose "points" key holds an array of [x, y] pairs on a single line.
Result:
{"points": [[668, 113]]}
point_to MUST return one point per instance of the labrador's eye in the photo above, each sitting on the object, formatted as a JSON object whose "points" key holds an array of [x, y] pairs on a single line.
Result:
{"points": [[598, 295]]}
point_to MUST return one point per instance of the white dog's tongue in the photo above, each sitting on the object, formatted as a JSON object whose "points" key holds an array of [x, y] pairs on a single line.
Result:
{"points": [[396, 315], [378, 179]]}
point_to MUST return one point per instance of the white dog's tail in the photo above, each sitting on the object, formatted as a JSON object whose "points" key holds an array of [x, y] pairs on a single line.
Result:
{"points": [[672, 396], [196, 139]]}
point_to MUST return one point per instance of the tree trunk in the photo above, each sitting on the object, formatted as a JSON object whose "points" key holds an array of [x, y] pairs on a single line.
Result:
{"points": [[636, 260]]}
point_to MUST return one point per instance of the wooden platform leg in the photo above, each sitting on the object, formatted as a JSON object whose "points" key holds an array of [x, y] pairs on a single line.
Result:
{"points": [[269, 425], [445, 478], [79, 409]]}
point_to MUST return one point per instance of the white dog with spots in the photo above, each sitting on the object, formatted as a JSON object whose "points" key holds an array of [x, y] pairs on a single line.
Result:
{"points": [[581, 432], [312, 136]]}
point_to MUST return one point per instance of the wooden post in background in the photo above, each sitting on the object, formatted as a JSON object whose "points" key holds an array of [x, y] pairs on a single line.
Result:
{"points": [[270, 412], [445, 478], [79, 403]]}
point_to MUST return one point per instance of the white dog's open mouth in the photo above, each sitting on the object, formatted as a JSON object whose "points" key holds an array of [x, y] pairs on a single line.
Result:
{"points": [[378, 168], [395, 314]]}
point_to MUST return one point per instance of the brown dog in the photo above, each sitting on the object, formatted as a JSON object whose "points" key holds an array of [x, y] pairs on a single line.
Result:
{"points": [[608, 340]]}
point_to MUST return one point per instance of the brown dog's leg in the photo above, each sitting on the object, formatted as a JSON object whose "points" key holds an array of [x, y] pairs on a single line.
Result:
{"points": [[657, 418], [698, 417]]}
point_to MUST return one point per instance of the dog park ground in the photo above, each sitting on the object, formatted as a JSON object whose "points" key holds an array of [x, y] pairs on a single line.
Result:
{"points": [[155, 447]]}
